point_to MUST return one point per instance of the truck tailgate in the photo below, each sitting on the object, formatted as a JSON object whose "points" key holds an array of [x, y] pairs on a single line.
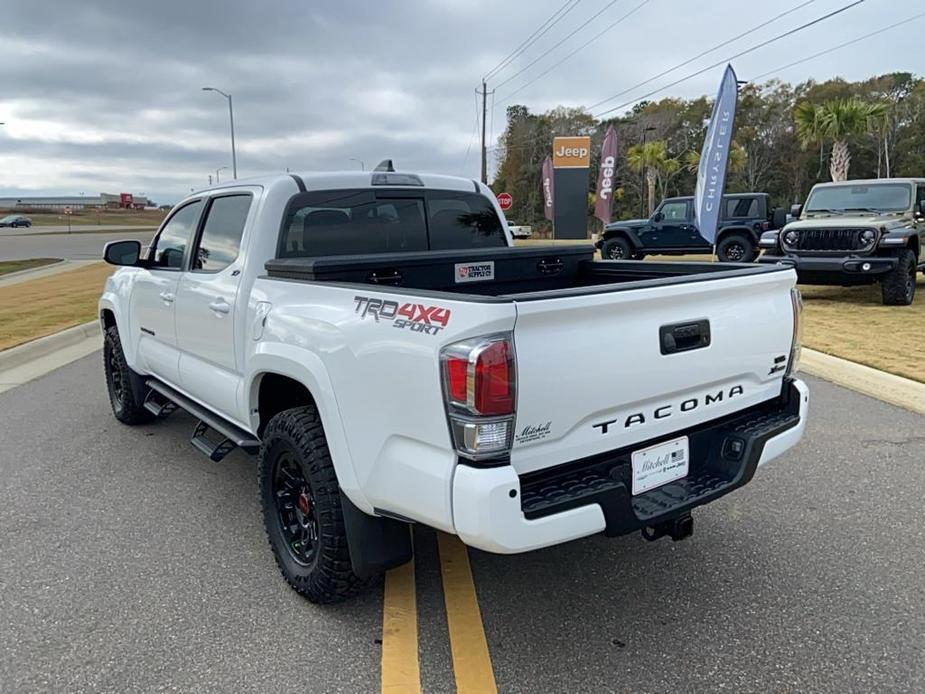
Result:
{"points": [[596, 371]]}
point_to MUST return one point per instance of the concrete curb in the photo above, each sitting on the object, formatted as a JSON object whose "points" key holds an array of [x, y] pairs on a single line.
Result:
{"points": [[43, 346], [896, 390]]}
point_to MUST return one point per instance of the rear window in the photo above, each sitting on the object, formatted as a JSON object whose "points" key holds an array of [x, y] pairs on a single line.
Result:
{"points": [[742, 208], [347, 222]]}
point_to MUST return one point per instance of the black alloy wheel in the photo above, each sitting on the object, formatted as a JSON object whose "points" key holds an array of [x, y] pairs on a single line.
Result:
{"points": [[295, 508]]}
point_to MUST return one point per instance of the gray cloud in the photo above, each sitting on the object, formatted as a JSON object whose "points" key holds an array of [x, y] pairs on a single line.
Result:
{"points": [[107, 94]]}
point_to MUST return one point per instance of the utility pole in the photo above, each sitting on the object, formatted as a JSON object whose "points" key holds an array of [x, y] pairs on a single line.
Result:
{"points": [[485, 93]]}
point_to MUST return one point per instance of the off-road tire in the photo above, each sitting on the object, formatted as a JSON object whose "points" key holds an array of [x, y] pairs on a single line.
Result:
{"points": [[121, 382], [731, 246], [897, 288], [329, 578], [616, 248]]}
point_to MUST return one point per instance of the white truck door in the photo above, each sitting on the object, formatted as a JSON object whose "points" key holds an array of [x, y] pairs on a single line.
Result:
{"points": [[153, 302], [206, 305]]}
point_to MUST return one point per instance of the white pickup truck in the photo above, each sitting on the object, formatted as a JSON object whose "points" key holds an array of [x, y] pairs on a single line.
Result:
{"points": [[390, 359]]}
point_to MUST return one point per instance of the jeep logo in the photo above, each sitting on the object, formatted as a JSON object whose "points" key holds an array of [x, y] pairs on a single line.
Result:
{"points": [[607, 166], [580, 152], [666, 411]]}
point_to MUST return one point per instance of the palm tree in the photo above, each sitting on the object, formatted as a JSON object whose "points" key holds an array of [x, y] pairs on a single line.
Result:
{"points": [[738, 158], [837, 120], [652, 157]]}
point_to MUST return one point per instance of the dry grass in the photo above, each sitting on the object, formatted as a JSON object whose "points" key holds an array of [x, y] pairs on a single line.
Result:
{"points": [[8, 266], [851, 323], [39, 307]]}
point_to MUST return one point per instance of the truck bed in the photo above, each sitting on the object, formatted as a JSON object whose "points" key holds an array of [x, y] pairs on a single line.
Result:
{"points": [[504, 273]]}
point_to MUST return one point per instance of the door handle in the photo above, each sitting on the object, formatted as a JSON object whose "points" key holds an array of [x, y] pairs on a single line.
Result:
{"points": [[168, 297], [220, 306]]}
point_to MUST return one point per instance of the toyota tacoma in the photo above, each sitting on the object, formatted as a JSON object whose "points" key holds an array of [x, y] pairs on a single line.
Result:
{"points": [[390, 359]]}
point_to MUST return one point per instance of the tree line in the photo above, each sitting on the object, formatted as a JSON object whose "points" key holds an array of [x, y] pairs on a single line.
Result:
{"points": [[786, 139]]}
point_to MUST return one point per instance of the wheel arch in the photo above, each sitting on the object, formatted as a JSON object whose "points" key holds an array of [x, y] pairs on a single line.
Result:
{"points": [[746, 231], [283, 376], [621, 232]]}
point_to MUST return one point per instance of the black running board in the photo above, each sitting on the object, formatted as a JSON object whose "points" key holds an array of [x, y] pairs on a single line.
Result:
{"points": [[232, 435]]}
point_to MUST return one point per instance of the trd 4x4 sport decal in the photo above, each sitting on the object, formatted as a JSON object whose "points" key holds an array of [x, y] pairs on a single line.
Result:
{"points": [[417, 318]]}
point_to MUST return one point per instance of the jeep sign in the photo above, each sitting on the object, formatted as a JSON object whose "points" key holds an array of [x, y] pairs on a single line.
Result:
{"points": [[605, 176], [571, 152]]}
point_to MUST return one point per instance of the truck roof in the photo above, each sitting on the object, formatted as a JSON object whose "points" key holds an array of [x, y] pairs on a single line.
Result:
{"points": [[728, 196], [869, 182], [324, 180]]}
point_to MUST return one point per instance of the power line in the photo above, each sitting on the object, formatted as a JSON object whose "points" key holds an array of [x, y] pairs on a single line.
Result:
{"points": [[706, 52], [737, 55], [545, 53], [835, 48], [581, 47], [532, 38]]}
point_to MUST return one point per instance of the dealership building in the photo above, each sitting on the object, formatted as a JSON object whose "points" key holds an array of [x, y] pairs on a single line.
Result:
{"points": [[40, 202]]}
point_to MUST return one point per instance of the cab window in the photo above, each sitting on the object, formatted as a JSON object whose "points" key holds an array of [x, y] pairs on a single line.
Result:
{"points": [[169, 247], [221, 234], [674, 211]]}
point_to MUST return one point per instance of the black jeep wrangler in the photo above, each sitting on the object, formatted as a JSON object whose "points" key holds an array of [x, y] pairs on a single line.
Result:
{"points": [[856, 232], [671, 230]]}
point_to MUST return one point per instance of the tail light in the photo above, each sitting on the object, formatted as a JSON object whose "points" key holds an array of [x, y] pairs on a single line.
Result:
{"points": [[796, 345], [479, 386]]}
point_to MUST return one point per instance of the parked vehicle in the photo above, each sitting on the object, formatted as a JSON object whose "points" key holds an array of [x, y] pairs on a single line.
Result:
{"points": [[390, 359], [15, 220], [855, 233], [520, 231], [672, 230]]}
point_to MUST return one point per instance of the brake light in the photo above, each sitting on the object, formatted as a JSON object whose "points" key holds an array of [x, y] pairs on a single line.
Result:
{"points": [[479, 382], [494, 387]]}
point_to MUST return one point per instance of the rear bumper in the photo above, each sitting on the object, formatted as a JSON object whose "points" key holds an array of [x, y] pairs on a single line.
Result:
{"points": [[498, 511], [839, 269]]}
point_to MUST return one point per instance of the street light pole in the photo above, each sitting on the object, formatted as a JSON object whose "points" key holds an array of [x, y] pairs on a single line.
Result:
{"points": [[234, 160], [362, 163], [217, 179]]}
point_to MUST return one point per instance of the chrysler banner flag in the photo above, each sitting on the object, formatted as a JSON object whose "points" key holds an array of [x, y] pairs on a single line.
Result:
{"points": [[711, 173], [605, 176], [547, 183]]}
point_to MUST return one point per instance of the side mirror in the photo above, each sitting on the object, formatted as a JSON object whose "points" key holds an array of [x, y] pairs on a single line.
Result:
{"points": [[122, 252], [657, 217], [795, 210]]}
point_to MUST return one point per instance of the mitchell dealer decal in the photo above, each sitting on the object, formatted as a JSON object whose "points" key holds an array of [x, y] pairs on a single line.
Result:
{"points": [[533, 432], [417, 318], [475, 272]]}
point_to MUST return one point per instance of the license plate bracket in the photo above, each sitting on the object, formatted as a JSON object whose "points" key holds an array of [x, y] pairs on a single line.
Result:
{"points": [[660, 464]]}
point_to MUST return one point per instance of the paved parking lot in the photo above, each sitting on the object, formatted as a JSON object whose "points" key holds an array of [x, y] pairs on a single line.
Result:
{"points": [[132, 563]]}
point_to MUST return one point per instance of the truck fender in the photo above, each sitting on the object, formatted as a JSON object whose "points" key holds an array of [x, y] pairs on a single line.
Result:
{"points": [[628, 234], [306, 367], [116, 292]]}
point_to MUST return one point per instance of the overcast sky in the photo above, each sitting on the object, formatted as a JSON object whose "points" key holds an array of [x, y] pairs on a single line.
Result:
{"points": [[105, 95]]}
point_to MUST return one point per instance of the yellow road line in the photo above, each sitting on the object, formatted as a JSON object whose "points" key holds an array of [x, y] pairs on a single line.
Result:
{"points": [[471, 660], [401, 671]]}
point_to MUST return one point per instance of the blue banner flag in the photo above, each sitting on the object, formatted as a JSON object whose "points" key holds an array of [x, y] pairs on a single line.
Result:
{"points": [[711, 173]]}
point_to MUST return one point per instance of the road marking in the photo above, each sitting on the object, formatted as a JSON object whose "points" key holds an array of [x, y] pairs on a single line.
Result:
{"points": [[471, 660], [401, 671]]}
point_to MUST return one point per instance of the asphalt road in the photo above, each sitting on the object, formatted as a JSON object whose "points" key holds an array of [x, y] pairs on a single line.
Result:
{"points": [[83, 246], [129, 562]]}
